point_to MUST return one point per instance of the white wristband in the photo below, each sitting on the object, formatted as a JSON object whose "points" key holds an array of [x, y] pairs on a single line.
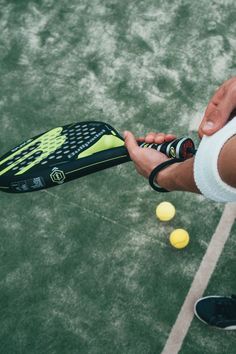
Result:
{"points": [[206, 173]]}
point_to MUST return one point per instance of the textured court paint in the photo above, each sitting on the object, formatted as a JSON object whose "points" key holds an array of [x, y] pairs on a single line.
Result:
{"points": [[87, 268]]}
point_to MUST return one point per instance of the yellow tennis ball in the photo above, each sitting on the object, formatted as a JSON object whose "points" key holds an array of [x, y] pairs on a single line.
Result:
{"points": [[179, 238], [165, 211]]}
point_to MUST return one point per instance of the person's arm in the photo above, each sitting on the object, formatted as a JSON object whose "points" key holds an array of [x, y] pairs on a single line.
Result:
{"points": [[180, 175], [220, 110]]}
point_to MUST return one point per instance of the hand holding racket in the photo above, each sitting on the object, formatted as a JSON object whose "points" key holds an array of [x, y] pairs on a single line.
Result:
{"points": [[72, 151], [146, 160]]}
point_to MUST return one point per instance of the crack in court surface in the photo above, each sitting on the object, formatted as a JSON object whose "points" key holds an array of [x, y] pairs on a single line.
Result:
{"points": [[201, 279]]}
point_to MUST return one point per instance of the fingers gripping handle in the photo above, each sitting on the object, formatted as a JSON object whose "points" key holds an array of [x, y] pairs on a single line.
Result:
{"points": [[182, 148]]}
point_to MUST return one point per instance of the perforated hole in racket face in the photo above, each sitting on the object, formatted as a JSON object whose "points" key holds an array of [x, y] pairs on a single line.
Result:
{"points": [[55, 147]]}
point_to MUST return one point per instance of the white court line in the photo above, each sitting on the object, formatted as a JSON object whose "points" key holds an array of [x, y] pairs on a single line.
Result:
{"points": [[201, 279]]}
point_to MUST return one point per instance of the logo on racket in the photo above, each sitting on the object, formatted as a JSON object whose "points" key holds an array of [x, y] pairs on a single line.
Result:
{"points": [[172, 152], [57, 176]]}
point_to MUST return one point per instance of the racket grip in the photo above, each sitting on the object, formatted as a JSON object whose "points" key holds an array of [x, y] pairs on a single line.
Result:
{"points": [[182, 148]]}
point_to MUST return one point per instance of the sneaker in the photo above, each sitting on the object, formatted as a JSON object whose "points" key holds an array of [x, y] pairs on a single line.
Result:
{"points": [[217, 311]]}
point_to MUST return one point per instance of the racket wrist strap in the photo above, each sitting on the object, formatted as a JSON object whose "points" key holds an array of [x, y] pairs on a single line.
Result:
{"points": [[156, 170]]}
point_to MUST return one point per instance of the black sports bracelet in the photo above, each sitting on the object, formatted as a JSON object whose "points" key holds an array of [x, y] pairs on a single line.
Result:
{"points": [[156, 170]]}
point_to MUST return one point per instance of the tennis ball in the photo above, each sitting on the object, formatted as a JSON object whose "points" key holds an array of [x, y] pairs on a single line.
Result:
{"points": [[165, 211], [179, 238]]}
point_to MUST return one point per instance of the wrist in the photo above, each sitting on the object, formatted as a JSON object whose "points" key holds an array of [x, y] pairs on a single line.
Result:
{"points": [[166, 178], [178, 177]]}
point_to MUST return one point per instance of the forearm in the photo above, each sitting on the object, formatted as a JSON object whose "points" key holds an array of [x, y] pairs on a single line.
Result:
{"points": [[180, 176]]}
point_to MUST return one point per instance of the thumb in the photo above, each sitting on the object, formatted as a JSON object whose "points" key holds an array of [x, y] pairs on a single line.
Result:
{"points": [[130, 144], [217, 118], [213, 122]]}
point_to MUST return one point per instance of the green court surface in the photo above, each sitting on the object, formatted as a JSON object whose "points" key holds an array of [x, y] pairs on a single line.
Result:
{"points": [[87, 267]]}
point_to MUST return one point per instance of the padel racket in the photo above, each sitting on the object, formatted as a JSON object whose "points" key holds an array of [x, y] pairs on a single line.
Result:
{"points": [[72, 151]]}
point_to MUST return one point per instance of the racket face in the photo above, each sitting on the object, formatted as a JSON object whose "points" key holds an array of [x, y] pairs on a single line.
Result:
{"points": [[59, 155]]}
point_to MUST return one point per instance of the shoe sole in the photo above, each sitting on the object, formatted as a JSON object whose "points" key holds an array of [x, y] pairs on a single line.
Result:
{"points": [[230, 328]]}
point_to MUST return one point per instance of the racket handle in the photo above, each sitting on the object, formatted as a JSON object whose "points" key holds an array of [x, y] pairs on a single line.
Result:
{"points": [[182, 148]]}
